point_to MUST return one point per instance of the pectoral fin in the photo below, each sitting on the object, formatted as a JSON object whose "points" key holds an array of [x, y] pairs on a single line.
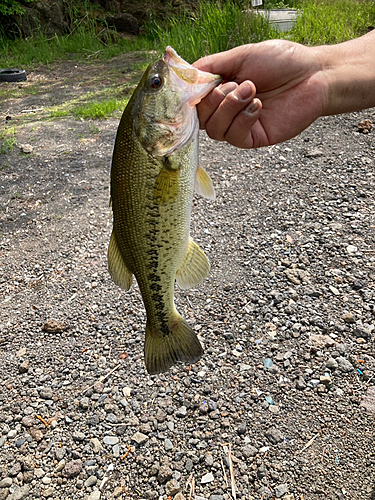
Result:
{"points": [[167, 185], [203, 184], [117, 267], [195, 267]]}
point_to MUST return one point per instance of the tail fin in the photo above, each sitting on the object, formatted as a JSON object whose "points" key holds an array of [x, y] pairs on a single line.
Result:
{"points": [[163, 351]]}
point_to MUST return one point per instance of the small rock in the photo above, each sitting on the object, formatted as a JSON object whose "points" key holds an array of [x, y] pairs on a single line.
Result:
{"points": [[179, 496], [249, 451], [24, 366], [26, 148], [46, 393], [274, 435], [242, 429], [207, 478], [280, 490], [314, 153], [6, 482], [181, 412], [95, 495], [72, 468], [36, 433], [348, 317], [139, 438], [110, 440], [96, 445], [78, 436], [326, 380], [54, 326], [172, 487], [19, 492], [168, 445], [164, 474], [344, 365], [332, 364], [364, 126], [368, 401], [91, 481]]}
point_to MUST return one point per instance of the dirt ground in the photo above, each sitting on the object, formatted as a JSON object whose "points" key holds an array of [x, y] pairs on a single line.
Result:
{"points": [[282, 404]]}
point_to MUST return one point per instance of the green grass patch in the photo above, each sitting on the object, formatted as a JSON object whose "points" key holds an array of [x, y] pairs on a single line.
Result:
{"points": [[7, 139], [99, 105], [332, 21]]}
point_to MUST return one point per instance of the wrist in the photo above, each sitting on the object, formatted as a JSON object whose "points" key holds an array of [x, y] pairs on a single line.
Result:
{"points": [[348, 75]]}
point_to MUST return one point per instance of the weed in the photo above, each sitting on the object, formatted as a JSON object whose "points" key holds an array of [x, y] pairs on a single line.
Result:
{"points": [[7, 145]]}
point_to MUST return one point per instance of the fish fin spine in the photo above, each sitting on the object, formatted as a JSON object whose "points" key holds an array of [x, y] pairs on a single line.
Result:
{"points": [[116, 265], [203, 184], [163, 351], [195, 267]]}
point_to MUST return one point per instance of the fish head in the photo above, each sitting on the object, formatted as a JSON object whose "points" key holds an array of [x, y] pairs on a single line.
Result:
{"points": [[164, 115]]}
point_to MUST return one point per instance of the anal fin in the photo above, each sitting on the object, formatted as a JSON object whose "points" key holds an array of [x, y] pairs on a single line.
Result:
{"points": [[195, 267], [116, 265]]}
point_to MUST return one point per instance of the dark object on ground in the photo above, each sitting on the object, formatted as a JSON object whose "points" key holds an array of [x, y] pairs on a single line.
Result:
{"points": [[12, 75], [124, 23]]}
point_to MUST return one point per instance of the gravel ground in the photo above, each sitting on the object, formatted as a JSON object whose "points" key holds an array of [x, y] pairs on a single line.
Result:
{"points": [[282, 404]]}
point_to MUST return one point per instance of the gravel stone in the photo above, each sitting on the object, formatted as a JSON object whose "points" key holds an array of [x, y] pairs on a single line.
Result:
{"points": [[72, 468], [110, 440], [344, 365], [6, 482], [274, 435], [207, 478], [139, 438]]}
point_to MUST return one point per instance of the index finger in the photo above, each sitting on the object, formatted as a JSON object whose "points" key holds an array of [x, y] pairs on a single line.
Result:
{"points": [[227, 64]]}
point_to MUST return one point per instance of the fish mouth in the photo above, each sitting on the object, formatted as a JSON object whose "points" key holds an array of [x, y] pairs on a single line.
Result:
{"points": [[195, 82]]}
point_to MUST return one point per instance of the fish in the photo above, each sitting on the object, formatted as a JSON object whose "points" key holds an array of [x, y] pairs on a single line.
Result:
{"points": [[154, 174]]}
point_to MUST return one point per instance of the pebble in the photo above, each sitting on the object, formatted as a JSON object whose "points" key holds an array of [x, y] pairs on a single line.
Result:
{"points": [[168, 445], [207, 478], [110, 440], [280, 490], [91, 481], [19, 492], [72, 468], [274, 435], [164, 474], [139, 438], [343, 364], [95, 495], [332, 364], [6, 482], [172, 487], [348, 317], [96, 445], [181, 412]]}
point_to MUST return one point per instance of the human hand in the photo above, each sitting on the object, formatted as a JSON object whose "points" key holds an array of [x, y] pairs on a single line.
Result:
{"points": [[271, 92]]}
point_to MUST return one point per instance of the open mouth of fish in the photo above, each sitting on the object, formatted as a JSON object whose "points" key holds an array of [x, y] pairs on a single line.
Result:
{"points": [[196, 83]]}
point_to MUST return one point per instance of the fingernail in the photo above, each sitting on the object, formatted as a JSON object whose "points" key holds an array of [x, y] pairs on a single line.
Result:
{"points": [[244, 91], [252, 107], [228, 87]]}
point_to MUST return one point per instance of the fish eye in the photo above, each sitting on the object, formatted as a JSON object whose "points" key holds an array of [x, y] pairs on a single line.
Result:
{"points": [[155, 82]]}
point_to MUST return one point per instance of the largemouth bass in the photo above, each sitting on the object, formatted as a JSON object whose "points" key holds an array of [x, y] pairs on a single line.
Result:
{"points": [[153, 177]]}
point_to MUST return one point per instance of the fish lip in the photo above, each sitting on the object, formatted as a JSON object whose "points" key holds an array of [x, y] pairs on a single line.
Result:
{"points": [[197, 83]]}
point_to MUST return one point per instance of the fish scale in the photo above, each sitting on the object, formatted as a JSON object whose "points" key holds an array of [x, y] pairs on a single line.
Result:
{"points": [[151, 193]]}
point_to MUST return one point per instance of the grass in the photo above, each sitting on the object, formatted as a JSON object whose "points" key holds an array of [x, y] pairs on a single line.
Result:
{"points": [[7, 139], [215, 28], [333, 21], [92, 110]]}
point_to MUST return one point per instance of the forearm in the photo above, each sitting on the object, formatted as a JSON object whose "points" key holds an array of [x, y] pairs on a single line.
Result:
{"points": [[348, 72]]}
